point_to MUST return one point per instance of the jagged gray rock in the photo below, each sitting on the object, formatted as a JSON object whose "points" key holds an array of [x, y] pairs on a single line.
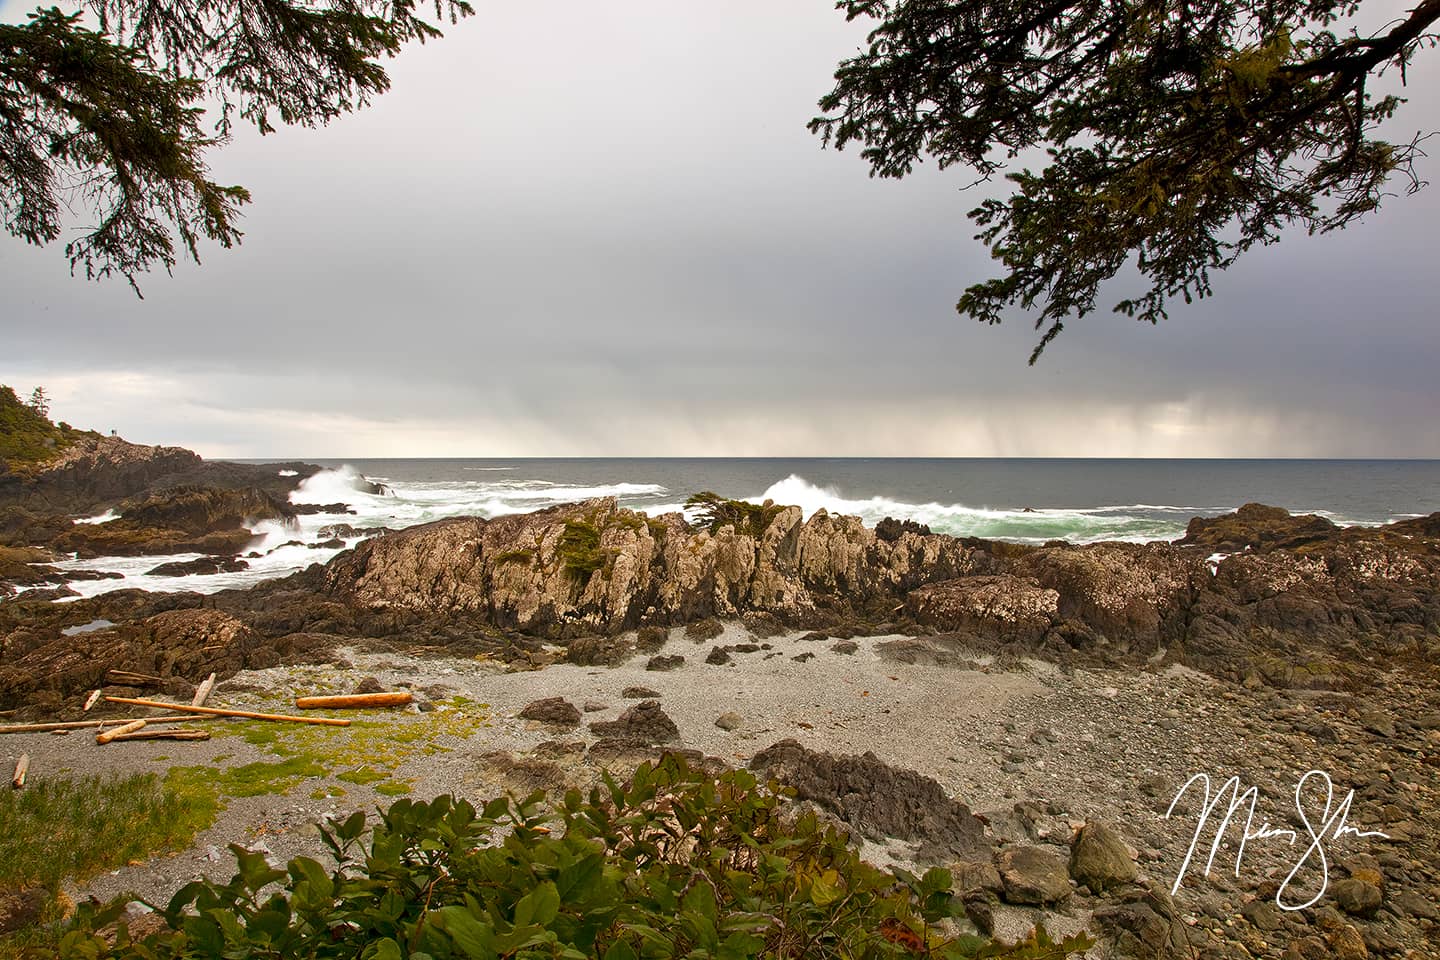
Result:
{"points": [[879, 800]]}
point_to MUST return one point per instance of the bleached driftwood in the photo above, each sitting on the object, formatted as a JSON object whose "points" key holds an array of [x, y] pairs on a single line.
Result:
{"points": [[203, 691], [105, 736], [217, 712]]}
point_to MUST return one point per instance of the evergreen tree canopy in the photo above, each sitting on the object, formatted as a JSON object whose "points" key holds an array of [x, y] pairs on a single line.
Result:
{"points": [[1176, 134], [111, 121]]}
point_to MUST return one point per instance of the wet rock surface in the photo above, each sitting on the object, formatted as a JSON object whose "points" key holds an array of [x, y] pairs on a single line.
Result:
{"points": [[200, 565]]}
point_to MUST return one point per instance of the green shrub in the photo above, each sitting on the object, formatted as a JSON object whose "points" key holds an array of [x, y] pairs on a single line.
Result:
{"points": [[714, 511], [580, 549], [674, 863]]}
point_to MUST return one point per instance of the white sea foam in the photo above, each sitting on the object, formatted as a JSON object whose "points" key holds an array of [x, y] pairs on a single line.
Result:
{"points": [[105, 517], [1137, 524], [135, 571], [493, 491], [340, 484], [288, 473]]}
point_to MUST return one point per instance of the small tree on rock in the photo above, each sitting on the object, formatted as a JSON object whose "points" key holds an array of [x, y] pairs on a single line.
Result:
{"points": [[40, 402]]}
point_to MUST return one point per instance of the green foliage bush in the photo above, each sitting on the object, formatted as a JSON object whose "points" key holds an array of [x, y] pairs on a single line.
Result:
{"points": [[674, 863], [713, 511], [580, 549], [26, 435]]}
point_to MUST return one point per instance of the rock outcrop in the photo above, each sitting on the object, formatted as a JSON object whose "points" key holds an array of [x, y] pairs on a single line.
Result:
{"points": [[182, 646], [594, 567], [1312, 605], [94, 472], [180, 520], [1320, 610], [878, 800]]}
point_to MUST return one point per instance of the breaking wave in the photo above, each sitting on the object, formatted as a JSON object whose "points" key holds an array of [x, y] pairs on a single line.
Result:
{"points": [[1137, 523]]}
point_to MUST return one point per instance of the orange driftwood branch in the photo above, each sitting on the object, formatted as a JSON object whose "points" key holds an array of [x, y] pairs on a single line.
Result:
{"points": [[352, 700]]}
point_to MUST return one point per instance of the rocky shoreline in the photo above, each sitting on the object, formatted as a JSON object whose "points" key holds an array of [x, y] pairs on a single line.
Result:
{"points": [[898, 678]]}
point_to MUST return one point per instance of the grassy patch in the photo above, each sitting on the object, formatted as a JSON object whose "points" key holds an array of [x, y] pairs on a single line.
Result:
{"points": [[250, 780], [515, 556], [58, 830]]}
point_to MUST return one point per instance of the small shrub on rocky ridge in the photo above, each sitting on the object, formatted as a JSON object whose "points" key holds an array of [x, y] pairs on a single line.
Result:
{"points": [[713, 511], [580, 549], [674, 863]]}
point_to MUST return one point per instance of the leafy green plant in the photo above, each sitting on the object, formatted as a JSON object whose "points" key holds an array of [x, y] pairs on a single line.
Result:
{"points": [[673, 863]]}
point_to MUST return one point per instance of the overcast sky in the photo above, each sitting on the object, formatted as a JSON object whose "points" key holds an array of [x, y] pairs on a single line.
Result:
{"points": [[580, 229]]}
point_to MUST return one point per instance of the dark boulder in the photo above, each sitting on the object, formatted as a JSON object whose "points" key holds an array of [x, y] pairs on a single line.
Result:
{"points": [[645, 723], [891, 529], [200, 565], [878, 800], [1255, 526], [552, 710]]}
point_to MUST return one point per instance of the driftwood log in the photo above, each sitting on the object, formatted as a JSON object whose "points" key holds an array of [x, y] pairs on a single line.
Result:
{"points": [[105, 736], [217, 712], [203, 691], [355, 700], [62, 725], [182, 734]]}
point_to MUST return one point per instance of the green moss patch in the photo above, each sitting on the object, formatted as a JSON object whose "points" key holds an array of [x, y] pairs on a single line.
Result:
{"points": [[375, 741]]}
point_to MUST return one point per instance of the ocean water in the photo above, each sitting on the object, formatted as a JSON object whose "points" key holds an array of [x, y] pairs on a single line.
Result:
{"points": [[1027, 501]]}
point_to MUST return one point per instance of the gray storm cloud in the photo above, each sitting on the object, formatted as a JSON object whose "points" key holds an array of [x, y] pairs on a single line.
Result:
{"points": [[582, 230]]}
